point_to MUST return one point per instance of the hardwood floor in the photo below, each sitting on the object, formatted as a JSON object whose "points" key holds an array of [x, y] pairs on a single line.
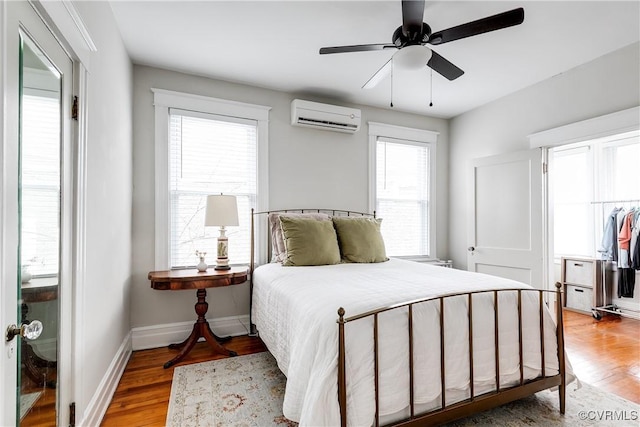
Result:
{"points": [[142, 396], [605, 354]]}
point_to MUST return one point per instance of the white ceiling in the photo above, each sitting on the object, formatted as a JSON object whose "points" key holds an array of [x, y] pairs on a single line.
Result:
{"points": [[274, 44]]}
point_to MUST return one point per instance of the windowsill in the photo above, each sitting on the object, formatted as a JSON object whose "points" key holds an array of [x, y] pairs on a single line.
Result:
{"points": [[417, 258], [193, 267]]}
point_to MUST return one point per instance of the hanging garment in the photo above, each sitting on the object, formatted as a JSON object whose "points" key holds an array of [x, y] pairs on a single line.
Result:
{"points": [[609, 247], [624, 240], [634, 247], [626, 274], [626, 282]]}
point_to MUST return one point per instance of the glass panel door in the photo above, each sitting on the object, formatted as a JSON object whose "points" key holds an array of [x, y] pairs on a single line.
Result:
{"points": [[39, 180]]}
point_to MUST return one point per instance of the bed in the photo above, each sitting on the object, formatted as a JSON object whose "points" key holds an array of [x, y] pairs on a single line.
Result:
{"points": [[396, 342]]}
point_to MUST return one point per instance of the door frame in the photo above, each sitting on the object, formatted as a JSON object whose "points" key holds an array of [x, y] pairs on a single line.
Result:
{"points": [[73, 34], [598, 127]]}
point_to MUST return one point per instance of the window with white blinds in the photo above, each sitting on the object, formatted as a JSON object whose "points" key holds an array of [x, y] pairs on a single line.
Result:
{"points": [[40, 183], [403, 195], [209, 154]]}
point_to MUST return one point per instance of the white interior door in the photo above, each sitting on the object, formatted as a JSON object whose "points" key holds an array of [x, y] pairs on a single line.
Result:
{"points": [[36, 221], [505, 217]]}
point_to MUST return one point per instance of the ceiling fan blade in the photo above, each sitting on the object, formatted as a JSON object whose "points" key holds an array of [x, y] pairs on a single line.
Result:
{"points": [[444, 67], [412, 16], [356, 48], [484, 25], [379, 75]]}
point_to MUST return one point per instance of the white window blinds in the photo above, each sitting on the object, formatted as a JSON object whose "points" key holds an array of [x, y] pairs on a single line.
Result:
{"points": [[209, 154], [403, 195], [40, 182]]}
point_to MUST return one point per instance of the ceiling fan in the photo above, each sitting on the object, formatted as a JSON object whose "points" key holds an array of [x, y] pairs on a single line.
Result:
{"points": [[412, 36]]}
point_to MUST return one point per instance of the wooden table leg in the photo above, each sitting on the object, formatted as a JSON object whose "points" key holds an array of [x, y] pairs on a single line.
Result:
{"points": [[35, 366], [200, 329]]}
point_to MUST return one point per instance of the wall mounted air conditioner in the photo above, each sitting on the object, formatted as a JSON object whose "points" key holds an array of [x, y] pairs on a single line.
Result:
{"points": [[324, 116]]}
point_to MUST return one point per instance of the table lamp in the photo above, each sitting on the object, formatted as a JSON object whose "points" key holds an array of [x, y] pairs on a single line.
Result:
{"points": [[222, 211]]}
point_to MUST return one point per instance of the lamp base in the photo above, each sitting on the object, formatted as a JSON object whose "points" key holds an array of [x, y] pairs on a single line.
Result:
{"points": [[222, 262]]}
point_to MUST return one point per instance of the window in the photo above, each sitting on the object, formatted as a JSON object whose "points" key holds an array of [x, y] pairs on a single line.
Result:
{"points": [[206, 146], [40, 181], [589, 180], [403, 186], [573, 193], [209, 155]]}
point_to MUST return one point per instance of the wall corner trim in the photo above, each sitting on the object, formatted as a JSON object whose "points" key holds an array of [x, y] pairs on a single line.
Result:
{"points": [[99, 403]]}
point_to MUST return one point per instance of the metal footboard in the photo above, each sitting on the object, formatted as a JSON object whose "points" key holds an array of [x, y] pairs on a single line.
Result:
{"points": [[474, 403]]}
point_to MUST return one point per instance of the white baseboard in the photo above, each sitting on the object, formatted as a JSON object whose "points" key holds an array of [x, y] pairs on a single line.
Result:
{"points": [[100, 401], [144, 338], [162, 335]]}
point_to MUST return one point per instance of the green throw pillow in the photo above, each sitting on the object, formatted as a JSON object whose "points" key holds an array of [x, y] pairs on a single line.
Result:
{"points": [[360, 239], [309, 242]]}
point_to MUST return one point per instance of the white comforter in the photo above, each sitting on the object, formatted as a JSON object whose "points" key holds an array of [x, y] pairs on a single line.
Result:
{"points": [[295, 310]]}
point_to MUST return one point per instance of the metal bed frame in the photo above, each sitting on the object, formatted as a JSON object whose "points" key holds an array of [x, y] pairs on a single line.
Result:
{"points": [[473, 404]]}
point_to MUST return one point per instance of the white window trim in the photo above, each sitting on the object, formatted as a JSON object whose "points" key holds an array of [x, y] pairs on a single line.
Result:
{"points": [[163, 100], [427, 137], [597, 127]]}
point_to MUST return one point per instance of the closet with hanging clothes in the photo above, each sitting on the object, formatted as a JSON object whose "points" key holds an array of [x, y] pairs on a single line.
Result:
{"points": [[620, 255]]}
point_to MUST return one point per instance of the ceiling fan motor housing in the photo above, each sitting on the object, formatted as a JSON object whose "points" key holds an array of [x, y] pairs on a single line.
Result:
{"points": [[400, 40]]}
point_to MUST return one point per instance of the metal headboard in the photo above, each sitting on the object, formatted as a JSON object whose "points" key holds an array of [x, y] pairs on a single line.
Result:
{"points": [[267, 241]]}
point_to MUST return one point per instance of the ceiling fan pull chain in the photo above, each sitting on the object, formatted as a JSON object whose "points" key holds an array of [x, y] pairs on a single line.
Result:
{"points": [[392, 67], [431, 89]]}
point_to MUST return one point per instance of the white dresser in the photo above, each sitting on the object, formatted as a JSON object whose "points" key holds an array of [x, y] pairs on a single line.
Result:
{"points": [[580, 279]]}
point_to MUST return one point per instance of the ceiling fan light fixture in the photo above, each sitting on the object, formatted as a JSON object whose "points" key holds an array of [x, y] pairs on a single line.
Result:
{"points": [[412, 57]]}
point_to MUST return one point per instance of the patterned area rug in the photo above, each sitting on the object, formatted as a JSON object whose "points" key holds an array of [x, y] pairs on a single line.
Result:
{"points": [[248, 391], [27, 401]]}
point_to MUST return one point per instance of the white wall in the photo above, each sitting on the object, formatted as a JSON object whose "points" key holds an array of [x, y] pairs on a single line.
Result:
{"points": [[605, 85], [105, 309], [307, 169]]}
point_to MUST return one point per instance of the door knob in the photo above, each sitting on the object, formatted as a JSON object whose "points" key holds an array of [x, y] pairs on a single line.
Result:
{"points": [[28, 331], [471, 249]]}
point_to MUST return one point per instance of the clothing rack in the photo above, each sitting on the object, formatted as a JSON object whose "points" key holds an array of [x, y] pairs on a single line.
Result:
{"points": [[602, 288]]}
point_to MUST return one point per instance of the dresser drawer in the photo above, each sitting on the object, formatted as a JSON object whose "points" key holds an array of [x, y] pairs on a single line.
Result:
{"points": [[579, 272], [579, 298]]}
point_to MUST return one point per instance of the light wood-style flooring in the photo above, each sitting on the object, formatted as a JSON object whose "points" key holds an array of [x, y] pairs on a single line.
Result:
{"points": [[605, 354]]}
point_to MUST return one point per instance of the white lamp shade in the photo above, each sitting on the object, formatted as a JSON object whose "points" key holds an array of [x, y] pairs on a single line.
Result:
{"points": [[222, 210], [412, 57]]}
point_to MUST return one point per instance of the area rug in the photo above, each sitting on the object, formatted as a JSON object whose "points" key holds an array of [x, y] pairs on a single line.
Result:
{"points": [[27, 401], [248, 391]]}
